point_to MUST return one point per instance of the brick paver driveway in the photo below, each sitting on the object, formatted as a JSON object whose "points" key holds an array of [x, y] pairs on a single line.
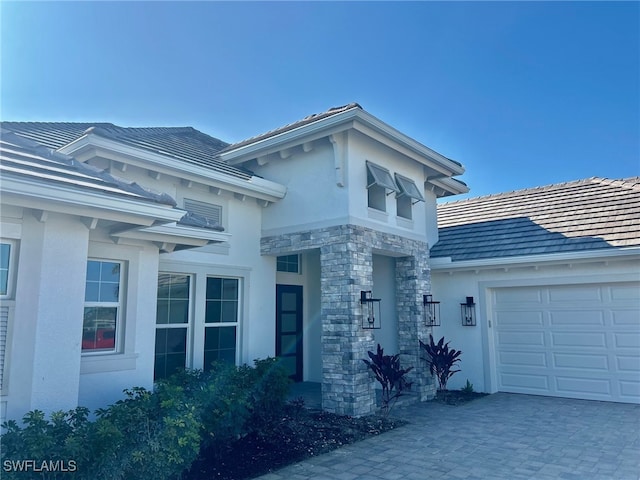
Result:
{"points": [[502, 436]]}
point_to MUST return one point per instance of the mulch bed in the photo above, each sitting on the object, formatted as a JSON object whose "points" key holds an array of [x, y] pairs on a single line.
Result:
{"points": [[457, 397], [301, 434]]}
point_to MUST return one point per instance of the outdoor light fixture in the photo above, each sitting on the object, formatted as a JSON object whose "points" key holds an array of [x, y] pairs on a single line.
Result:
{"points": [[431, 311], [468, 311], [370, 321]]}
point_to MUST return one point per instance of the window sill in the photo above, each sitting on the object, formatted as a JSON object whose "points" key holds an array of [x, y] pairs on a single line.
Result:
{"points": [[378, 215], [108, 363], [404, 222]]}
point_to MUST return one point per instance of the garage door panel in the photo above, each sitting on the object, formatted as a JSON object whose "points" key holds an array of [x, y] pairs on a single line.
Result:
{"points": [[571, 294], [522, 339], [626, 292], [628, 363], [518, 296], [592, 386], [630, 390], [524, 381], [626, 317], [581, 361], [576, 317], [627, 340], [523, 359], [520, 318], [578, 341]]}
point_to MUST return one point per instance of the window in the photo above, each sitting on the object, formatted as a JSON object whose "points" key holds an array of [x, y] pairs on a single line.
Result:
{"points": [[207, 210], [289, 263], [5, 257], [221, 318], [102, 306], [196, 324], [172, 323], [407, 196], [378, 182]]}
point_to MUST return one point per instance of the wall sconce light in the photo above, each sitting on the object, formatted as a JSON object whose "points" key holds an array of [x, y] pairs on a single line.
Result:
{"points": [[468, 311], [370, 321], [431, 311]]}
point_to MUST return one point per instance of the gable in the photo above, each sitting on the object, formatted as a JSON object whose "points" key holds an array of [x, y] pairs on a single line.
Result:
{"points": [[583, 215]]}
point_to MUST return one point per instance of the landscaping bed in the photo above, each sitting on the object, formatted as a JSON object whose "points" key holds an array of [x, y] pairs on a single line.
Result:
{"points": [[300, 434], [457, 397]]}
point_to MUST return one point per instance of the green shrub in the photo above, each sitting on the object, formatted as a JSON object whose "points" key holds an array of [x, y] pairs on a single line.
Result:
{"points": [[68, 444], [151, 434]]}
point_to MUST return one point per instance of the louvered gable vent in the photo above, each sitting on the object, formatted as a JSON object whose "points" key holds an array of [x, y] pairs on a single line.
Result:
{"points": [[208, 210]]}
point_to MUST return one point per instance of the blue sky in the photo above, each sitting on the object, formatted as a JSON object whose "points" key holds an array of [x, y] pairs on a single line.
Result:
{"points": [[523, 94]]}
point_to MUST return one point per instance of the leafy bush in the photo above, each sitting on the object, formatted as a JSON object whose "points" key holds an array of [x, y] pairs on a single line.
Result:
{"points": [[441, 360], [151, 434], [390, 375]]}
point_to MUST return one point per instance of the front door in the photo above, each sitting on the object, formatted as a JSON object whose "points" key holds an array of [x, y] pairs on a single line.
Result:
{"points": [[289, 329]]}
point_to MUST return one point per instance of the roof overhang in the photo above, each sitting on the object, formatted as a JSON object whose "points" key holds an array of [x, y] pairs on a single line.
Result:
{"points": [[445, 264], [29, 193], [171, 236], [436, 165], [91, 145]]}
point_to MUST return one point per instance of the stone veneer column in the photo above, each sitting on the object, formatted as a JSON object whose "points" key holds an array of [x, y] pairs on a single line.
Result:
{"points": [[346, 270], [412, 281]]}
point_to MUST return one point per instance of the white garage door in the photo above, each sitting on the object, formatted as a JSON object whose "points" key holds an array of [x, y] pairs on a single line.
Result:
{"points": [[578, 341]]}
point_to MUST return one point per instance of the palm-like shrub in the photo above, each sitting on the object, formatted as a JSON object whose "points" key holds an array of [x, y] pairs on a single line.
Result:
{"points": [[442, 360], [390, 375]]}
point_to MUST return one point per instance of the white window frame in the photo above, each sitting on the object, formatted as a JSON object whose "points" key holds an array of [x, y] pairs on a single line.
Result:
{"points": [[120, 306], [405, 197], [13, 254], [188, 326], [298, 270], [197, 307], [380, 184], [221, 324]]}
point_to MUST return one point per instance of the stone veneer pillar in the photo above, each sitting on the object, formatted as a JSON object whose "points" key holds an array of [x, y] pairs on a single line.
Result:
{"points": [[346, 268]]}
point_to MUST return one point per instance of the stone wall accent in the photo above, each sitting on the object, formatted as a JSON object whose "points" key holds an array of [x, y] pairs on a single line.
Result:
{"points": [[346, 264]]}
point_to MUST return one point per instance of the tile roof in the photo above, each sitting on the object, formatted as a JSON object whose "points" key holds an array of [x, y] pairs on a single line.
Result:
{"points": [[291, 126], [24, 158], [181, 143], [573, 216]]}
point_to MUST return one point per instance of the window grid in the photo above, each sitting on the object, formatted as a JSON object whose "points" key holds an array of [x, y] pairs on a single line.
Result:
{"points": [[172, 324], [102, 306], [221, 320], [288, 263]]}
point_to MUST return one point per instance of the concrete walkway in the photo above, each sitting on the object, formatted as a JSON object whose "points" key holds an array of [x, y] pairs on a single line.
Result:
{"points": [[502, 436]]}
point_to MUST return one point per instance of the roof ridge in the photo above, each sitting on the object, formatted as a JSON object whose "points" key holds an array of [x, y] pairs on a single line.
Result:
{"points": [[295, 124], [552, 186], [628, 182]]}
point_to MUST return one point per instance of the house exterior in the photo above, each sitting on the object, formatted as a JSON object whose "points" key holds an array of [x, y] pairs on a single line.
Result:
{"points": [[554, 273], [130, 252]]}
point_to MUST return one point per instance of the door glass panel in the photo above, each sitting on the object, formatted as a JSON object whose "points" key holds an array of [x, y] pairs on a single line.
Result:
{"points": [[289, 301], [288, 344], [289, 322], [289, 364]]}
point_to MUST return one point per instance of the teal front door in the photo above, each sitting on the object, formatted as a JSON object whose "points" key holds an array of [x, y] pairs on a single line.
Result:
{"points": [[289, 329]]}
